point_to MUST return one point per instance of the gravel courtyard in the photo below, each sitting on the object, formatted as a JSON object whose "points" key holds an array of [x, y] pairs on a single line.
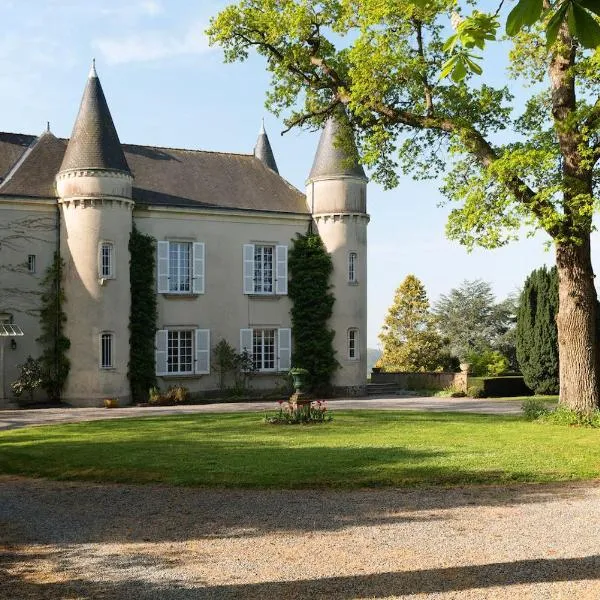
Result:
{"points": [[73, 541]]}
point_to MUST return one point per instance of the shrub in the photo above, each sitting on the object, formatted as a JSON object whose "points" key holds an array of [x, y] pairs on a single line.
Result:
{"points": [[224, 361], [293, 414], [450, 392], [30, 378], [497, 387], [175, 394], [563, 415], [489, 363], [533, 408]]}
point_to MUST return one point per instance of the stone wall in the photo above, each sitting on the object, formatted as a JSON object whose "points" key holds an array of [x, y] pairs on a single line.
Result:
{"points": [[423, 381]]}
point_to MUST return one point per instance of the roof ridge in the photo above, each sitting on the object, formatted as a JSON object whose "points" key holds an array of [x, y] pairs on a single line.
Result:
{"points": [[195, 150]]}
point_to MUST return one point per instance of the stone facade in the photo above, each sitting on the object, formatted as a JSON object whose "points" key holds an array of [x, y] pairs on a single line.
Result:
{"points": [[223, 226]]}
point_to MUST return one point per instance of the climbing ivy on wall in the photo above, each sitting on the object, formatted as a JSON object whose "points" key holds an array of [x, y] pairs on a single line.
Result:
{"points": [[54, 360], [312, 305], [142, 320]]}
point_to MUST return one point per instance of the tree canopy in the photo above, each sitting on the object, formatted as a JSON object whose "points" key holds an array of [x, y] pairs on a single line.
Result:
{"points": [[506, 167]]}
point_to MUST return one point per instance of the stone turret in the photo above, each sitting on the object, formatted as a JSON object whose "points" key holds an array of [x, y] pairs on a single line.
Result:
{"points": [[336, 192], [94, 185], [263, 150]]}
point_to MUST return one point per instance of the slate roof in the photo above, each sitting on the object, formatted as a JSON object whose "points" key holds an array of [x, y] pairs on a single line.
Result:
{"points": [[263, 150], [162, 176], [331, 160], [94, 143]]}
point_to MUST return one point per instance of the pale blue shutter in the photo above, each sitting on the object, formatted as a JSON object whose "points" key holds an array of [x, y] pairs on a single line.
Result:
{"points": [[198, 274], [160, 355], [284, 345], [202, 351], [162, 264], [248, 268], [281, 262], [246, 340]]}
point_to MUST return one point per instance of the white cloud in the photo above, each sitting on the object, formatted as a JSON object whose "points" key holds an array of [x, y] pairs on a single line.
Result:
{"points": [[153, 45], [151, 7]]}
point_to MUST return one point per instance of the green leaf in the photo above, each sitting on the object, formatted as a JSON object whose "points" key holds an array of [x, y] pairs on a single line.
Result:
{"points": [[448, 66], [587, 29], [591, 5], [555, 23], [450, 43], [525, 13], [460, 70]]}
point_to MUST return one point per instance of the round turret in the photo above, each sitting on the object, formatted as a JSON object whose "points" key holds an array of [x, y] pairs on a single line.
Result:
{"points": [[94, 186], [336, 192]]}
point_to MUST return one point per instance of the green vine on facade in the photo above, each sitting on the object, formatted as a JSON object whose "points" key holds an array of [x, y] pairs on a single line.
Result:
{"points": [[54, 360], [312, 306], [142, 320]]}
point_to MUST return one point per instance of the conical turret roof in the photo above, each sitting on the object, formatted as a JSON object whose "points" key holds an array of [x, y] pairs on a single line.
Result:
{"points": [[263, 150], [333, 159], [94, 143]]}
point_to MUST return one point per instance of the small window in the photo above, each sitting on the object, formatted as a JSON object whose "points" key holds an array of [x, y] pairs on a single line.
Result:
{"points": [[31, 263], [106, 351], [352, 267], [107, 260], [353, 344]]}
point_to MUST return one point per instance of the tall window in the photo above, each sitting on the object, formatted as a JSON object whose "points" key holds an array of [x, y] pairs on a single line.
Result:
{"points": [[106, 261], [352, 267], [353, 344], [31, 260], [263, 349], [263, 269], [106, 351], [180, 267], [180, 351]]}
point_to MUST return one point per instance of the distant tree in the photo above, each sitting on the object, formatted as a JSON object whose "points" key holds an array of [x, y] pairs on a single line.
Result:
{"points": [[409, 337], [472, 321], [537, 335]]}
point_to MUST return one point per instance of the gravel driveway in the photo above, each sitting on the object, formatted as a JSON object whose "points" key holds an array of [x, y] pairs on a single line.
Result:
{"points": [[73, 541], [11, 419]]}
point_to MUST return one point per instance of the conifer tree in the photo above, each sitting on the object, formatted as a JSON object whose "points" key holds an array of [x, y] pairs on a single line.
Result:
{"points": [[409, 337], [537, 336]]}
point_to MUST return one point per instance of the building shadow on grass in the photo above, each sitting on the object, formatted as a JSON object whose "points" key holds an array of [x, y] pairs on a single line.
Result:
{"points": [[380, 585]]}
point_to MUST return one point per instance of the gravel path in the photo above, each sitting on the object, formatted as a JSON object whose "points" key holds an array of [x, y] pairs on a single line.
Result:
{"points": [[11, 419], [75, 541]]}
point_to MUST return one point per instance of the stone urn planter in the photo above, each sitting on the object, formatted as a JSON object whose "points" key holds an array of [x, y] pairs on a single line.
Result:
{"points": [[300, 379]]}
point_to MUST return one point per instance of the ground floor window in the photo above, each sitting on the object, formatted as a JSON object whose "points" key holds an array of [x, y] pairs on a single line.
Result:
{"points": [[180, 351], [106, 350], [263, 349]]}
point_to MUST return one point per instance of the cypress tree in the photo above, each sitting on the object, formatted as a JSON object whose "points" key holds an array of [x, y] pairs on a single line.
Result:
{"points": [[537, 336]]}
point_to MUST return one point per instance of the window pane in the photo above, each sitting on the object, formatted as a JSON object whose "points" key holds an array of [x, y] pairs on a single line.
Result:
{"points": [[352, 343], [257, 348], [352, 259], [263, 269], [106, 252], [180, 266], [180, 347], [106, 346]]}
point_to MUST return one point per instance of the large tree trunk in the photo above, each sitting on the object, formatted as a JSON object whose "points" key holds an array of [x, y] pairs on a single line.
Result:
{"points": [[576, 321]]}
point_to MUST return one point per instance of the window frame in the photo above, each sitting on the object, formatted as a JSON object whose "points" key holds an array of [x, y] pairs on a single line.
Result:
{"points": [[278, 270], [32, 263], [352, 343], [352, 267], [111, 274], [273, 353], [166, 279], [259, 279], [110, 364], [192, 339]]}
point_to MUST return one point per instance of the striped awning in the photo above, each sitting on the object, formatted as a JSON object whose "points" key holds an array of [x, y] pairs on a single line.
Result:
{"points": [[10, 330]]}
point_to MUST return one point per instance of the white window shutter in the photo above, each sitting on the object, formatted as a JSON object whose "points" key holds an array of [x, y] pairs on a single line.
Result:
{"points": [[248, 268], [281, 259], [284, 344], [246, 341], [162, 264], [202, 351], [161, 352], [198, 275]]}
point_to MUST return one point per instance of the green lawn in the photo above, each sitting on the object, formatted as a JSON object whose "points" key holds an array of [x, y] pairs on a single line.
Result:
{"points": [[357, 449]]}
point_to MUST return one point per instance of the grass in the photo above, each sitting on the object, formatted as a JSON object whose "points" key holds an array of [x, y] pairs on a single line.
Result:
{"points": [[358, 449]]}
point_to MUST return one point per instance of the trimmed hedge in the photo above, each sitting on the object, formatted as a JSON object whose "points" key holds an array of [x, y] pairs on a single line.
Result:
{"points": [[498, 387]]}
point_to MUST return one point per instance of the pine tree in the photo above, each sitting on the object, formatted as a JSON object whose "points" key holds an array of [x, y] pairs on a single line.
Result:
{"points": [[410, 340], [537, 337]]}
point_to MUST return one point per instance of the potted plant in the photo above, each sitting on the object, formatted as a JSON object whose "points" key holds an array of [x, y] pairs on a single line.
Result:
{"points": [[300, 378]]}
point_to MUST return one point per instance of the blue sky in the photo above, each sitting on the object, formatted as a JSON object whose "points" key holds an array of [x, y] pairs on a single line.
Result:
{"points": [[166, 87]]}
